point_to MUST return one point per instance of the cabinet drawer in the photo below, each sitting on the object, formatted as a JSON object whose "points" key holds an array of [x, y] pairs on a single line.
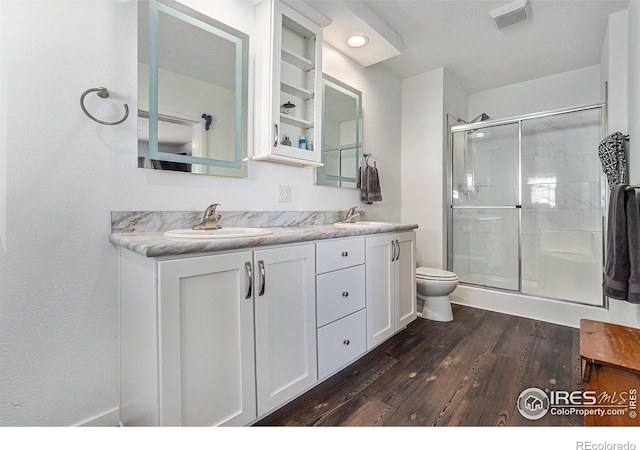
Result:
{"points": [[339, 294], [341, 342], [338, 254]]}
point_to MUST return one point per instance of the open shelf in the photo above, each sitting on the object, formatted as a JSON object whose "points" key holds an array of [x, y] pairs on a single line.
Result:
{"points": [[296, 60], [290, 120], [302, 93]]}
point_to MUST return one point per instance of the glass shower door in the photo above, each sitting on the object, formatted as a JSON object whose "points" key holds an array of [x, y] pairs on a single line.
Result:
{"points": [[562, 207], [485, 206]]}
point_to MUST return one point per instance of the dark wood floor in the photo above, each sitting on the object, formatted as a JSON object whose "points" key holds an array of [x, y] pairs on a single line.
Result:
{"points": [[468, 372]]}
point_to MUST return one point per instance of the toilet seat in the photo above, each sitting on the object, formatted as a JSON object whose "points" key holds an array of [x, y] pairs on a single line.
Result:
{"points": [[428, 273]]}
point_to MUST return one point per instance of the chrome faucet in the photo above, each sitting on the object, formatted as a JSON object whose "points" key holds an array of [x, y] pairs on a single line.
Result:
{"points": [[210, 219], [352, 215]]}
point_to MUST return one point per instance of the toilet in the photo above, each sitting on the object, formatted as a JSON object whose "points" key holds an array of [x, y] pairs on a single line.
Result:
{"points": [[434, 287]]}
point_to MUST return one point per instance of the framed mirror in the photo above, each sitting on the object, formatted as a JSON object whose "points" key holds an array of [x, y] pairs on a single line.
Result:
{"points": [[192, 91], [341, 134]]}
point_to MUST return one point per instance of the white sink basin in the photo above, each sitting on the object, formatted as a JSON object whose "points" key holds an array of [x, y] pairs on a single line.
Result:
{"points": [[222, 233], [360, 224]]}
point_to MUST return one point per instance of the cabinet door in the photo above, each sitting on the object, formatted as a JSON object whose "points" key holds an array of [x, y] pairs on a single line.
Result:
{"points": [[405, 277], [380, 289], [207, 371], [285, 324]]}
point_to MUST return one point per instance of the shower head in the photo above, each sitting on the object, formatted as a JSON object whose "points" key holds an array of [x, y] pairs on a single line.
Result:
{"points": [[481, 117]]}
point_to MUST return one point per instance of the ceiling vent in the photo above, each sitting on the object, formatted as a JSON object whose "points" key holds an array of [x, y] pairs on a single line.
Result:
{"points": [[511, 13]]}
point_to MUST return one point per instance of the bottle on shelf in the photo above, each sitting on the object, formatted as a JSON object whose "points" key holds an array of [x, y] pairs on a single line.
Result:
{"points": [[302, 142], [286, 141]]}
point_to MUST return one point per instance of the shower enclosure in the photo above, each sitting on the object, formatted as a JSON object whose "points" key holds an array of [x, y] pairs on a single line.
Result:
{"points": [[526, 204]]}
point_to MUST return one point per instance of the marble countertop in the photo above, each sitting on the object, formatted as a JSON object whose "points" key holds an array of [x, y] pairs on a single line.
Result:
{"points": [[153, 243]]}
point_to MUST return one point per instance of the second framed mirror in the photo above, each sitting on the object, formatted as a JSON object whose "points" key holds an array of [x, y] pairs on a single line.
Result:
{"points": [[341, 134]]}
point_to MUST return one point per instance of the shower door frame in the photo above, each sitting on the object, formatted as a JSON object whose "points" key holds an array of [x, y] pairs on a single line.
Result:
{"points": [[450, 208]]}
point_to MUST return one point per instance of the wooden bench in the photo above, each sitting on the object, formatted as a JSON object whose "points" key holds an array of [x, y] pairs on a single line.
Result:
{"points": [[611, 367]]}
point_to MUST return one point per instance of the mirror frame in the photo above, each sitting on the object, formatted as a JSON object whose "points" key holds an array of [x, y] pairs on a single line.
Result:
{"points": [[321, 175], [237, 166]]}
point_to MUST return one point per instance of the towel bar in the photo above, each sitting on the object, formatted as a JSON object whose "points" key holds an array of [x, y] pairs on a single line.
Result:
{"points": [[102, 93]]}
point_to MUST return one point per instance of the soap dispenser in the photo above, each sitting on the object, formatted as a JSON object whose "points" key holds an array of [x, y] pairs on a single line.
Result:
{"points": [[286, 141]]}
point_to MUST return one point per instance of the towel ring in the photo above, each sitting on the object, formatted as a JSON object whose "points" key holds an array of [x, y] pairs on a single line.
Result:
{"points": [[102, 93]]}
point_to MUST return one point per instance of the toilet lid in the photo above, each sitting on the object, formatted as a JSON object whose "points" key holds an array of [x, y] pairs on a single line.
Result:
{"points": [[428, 272]]}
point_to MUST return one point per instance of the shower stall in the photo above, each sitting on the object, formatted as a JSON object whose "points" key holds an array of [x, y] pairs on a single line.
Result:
{"points": [[526, 202]]}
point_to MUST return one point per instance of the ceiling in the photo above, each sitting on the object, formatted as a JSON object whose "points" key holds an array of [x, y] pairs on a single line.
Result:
{"points": [[461, 36]]}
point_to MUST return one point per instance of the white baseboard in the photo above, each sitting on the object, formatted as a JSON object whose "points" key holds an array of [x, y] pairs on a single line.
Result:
{"points": [[553, 311], [106, 419]]}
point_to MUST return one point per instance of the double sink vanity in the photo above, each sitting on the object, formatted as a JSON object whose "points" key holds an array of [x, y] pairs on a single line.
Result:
{"points": [[224, 323], [223, 326]]}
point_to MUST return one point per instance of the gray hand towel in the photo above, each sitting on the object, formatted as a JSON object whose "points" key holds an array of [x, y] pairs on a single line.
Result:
{"points": [[370, 185], [622, 268], [373, 184], [633, 239]]}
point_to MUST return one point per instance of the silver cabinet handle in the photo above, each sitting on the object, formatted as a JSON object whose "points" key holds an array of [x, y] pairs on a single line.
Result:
{"points": [[345, 254], [393, 251], [345, 294], [398, 246], [247, 267], [262, 277], [346, 342], [275, 140]]}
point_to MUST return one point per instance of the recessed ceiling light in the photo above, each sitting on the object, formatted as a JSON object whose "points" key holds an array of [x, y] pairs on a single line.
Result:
{"points": [[357, 40]]}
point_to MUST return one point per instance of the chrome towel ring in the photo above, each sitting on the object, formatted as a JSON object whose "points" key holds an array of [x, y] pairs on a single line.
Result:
{"points": [[102, 93]]}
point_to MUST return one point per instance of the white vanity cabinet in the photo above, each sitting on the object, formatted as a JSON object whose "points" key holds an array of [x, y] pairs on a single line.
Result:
{"points": [[390, 285], [225, 338], [340, 303], [289, 60], [216, 339]]}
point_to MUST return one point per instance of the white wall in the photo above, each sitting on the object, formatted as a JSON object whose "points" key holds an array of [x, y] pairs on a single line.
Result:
{"points": [[614, 72], [422, 162], [565, 90], [381, 115], [624, 34], [66, 173], [634, 91]]}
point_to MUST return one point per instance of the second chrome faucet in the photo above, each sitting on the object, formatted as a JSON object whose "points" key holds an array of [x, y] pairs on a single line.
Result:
{"points": [[210, 219], [352, 215]]}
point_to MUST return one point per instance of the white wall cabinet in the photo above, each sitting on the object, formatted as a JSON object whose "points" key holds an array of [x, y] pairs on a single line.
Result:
{"points": [[390, 285], [189, 355], [289, 59]]}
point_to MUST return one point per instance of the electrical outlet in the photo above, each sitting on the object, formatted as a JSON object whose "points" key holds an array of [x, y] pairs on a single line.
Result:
{"points": [[284, 194]]}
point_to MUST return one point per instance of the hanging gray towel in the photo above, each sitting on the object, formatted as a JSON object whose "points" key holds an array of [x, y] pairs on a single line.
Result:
{"points": [[622, 267], [613, 160], [633, 239], [370, 185]]}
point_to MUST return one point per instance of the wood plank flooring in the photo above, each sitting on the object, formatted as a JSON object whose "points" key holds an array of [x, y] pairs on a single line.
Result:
{"points": [[468, 372]]}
